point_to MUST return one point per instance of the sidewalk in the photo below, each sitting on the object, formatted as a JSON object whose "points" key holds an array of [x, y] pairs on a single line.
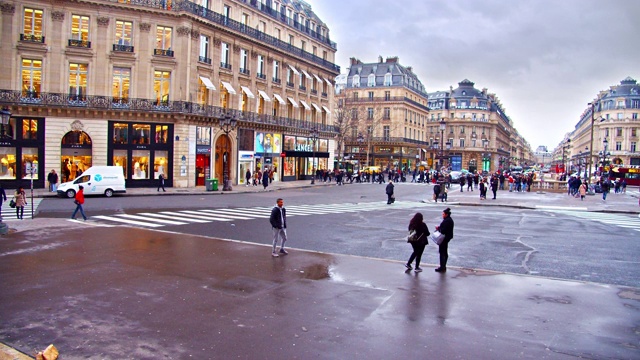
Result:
{"points": [[182, 296]]}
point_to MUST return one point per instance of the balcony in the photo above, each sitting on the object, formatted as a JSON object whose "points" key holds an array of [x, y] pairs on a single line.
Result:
{"points": [[324, 94], [226, 66], [163, 52], [122, 48], [275, 80], [204, 59], [245, 71], [291, 85], [32, 38], [314, 92], [261, 76], [79, 43], [302, 87], [46, 101]]}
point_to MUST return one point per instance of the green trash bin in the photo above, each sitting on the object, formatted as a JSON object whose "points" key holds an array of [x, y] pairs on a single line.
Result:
{"points": [[211, 184]]}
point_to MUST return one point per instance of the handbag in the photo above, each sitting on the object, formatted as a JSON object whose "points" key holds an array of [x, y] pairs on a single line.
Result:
{"points": [[413, 236], [12, 203], [437, 237]]}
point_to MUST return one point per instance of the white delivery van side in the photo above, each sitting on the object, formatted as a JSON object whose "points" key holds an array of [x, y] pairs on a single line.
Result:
{"points": [[96, 180]]}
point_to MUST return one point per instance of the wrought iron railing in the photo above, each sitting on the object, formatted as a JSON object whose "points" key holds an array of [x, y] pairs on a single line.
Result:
{"points": [[163, 52], [32, 38], [122, 48], [96, 102], [204, 59], [80, 43]]}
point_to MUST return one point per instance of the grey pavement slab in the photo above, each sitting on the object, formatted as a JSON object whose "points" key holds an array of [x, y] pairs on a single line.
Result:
{"points": [[123, 293]]}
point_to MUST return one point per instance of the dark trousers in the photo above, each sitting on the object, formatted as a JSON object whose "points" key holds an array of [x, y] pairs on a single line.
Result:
{"points": [[389, 199], [494, 193], [19, 212], [418, 249], [444, 254], [161, 185]]}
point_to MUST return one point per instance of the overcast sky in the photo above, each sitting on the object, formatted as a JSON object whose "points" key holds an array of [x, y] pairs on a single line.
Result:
{"points": [[544, 59]]}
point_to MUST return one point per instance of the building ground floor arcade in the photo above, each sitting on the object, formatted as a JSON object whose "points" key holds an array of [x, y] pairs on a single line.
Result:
{"points": [[185, 153]]}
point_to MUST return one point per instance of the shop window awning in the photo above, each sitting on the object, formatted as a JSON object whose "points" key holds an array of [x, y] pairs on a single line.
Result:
{"points": [[207, 83], [306, 74], [316, 107], [229, 88], [295, 71], [248, 92], [264, 95], [326, 109], [280, 99], [293, 102], [305, 105], [328, 82], [317, 78]]}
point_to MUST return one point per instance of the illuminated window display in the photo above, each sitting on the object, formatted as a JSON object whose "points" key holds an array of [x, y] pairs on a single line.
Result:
{"points": [[140, 164], [7, 163], [120, 159], [30, 163]]}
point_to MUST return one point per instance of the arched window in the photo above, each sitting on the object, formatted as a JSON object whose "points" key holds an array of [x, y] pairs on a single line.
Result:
{"points": [[356, 81], [76, 137], [387, 79], [372, 80]]}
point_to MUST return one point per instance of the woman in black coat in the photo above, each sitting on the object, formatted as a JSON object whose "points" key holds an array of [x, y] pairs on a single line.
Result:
{"points": [[446, 229], [422, 231], [389, 191]]}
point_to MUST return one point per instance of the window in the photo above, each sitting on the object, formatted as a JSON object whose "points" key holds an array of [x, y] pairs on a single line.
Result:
{"points": [[245, 19], [244, 61], [606, 132], [121, 84], [163, 41], [276, 71], [29, 129], [78, 81], [355, 96], [314, 50], [634, 116], [387, 113], [140, 164], [634, 132], [277, 34], [371, 80], [324, 55], [618, 146], [226, 12], [633, 146], [355, 82], [387, 95], [370, 113], [354, 114], [31, 78], [120, 158], [204, 49], [291, 39], [387, 79], [303, 45], [120, 133], [162, 134], [203, 135], [370, 95], [161, 85], [80, 28], [124, 32], [32, 27], [160, 163], [224, 56], [386, 132], [262, 26], [619, 116], [203, 93], [261, 67], [618, 131], [461, 142], [462, 129]]}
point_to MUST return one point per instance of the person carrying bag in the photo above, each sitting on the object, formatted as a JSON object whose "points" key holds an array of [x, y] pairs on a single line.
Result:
{"points": [[418, 232]]}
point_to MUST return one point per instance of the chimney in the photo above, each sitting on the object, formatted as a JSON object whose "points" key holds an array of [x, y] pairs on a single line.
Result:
{"points": [[392, 59], [354, 61], [484, 91], [410, 69], [380, 59]]}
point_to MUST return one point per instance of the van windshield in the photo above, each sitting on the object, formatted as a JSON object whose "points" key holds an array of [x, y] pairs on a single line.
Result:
{"points": [[82, 179]]}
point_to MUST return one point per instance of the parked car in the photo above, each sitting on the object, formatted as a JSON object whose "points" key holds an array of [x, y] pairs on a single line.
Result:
{"points": [[455, 176]]}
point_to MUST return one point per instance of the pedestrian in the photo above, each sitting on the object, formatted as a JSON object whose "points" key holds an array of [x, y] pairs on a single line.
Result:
{"points": [[624, 186], [52, 178], [3, 197], [462, 181], [494, 187], [389, 191], [265, 179], [421, 232], [247, 177], [606, 186], [446, 229], [483, 189], [445, 193], [583, 191], [469, 182], [278, 220], [79, 201], [161, 182], [21, 200], [436, 192]]}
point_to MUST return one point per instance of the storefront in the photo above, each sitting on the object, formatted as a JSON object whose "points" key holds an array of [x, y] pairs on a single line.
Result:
{"points": [[268, 147], [144, 150], [246, 161], [203, 155], [300, 159], [21, 152]]}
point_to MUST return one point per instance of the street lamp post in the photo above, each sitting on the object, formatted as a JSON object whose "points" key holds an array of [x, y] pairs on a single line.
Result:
{"points": [[565, 147], [604, 154], [443, 126], [314, 137], [485, 156], [5, 115], [227, 124], [360, 142]]}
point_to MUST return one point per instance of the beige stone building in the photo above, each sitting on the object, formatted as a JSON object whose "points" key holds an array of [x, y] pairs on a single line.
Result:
{"points": [[149, 85], [611, 116]]}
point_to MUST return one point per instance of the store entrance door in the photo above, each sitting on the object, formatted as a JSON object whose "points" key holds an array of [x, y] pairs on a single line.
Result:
{"points": [[203, 168]]}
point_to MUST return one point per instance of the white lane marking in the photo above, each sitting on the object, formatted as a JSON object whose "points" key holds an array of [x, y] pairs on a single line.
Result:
{"points": [[126, 221], [173, 217], [203, 217], [162, 221]]}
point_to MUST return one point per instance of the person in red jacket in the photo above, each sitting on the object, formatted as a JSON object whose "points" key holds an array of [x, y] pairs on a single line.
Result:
{"points": [[79, 201]]}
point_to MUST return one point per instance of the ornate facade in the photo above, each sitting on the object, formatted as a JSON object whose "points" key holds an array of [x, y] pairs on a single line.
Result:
{"points": [[146, 85]]}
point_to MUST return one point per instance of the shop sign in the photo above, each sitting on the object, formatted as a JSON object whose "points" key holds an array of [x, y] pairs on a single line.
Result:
{"points": [[203, 150], [246, 156]]}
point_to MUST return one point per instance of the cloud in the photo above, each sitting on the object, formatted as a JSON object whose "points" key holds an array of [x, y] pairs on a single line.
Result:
{"points": [[545, 59]]}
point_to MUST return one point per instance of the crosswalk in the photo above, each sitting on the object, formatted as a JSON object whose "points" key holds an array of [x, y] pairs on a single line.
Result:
{"points": [[621, 220], [202, 216], [9, 213]]}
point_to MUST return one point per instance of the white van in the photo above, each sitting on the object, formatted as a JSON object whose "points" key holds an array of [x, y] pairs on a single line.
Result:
{"points": [[96, 180]]}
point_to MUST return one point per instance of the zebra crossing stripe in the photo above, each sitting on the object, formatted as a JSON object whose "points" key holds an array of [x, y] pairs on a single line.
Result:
{"points": [[173, 217], [187, 215], [125, 221], [216, 216], [162, 221], [242, 212], [224, 213], [609, 219]]}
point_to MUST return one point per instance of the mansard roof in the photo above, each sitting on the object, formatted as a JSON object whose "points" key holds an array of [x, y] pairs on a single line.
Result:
{"points": [[400, 75], [627, 87]]}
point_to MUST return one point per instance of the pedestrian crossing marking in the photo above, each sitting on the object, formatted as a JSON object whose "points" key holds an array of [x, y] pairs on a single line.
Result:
{"points": [[183, 217], [605, 218], [9, 213]]}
